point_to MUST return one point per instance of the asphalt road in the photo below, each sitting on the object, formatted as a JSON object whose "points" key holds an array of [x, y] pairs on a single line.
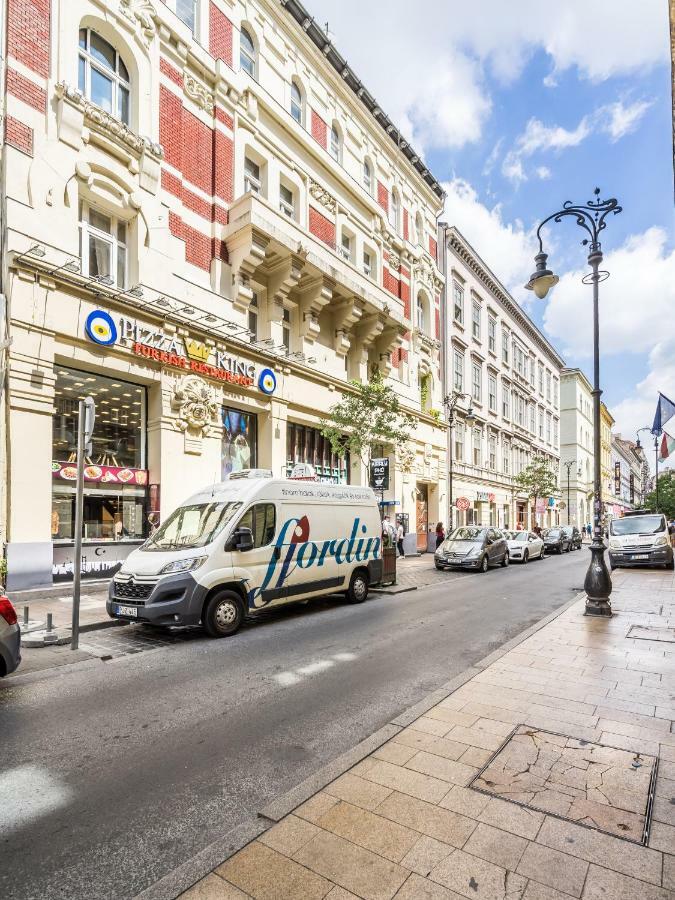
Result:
{"points": [[112, 776]]}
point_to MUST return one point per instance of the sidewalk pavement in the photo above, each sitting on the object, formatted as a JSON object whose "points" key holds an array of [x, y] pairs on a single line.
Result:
{"points": [[531, 781]]}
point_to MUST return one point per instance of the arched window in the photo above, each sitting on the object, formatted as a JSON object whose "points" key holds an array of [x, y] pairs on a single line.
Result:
{"points": [[367, 176], [102, 75], [335, 147], [421, 314], [247, 55], [296, 102]]}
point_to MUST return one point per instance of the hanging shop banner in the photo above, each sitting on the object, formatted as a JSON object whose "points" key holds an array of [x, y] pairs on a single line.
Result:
{"points": [[170, 349], [379, 474], [240, 439], [617, 479], [67, 471]]}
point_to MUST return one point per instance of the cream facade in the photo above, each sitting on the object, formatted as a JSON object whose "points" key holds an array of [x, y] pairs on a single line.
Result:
{"points": [[510, 374], [576, 428], [210, 228], [627, 477], [606, 423]]}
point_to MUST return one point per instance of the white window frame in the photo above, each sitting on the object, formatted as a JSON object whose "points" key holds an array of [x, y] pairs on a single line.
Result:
{"points": [[506, 402], [252, 182], [285, 206], [297, 104], [395, 211], [421, 315], [477, 382], [368, 177], [367, 262], [492, 393], [459, 441], [248, 59], [458, 370], [193, 18], [335, 143], [475, 320], [492, 334], [118, 81], [119, 250], [505, 346], [345, 246], [458, 302]]}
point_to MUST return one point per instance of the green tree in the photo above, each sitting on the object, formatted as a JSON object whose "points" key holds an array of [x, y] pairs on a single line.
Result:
{"points": [[369, 415], [666, 496], [537, 479]]}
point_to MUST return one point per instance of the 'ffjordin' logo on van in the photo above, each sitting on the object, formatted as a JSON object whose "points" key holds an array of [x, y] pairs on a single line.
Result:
{"points": [[293, 550]]}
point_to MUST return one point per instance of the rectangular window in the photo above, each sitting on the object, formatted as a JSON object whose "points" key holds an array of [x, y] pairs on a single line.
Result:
{"points": [[548, 385], [492, 393], [533, 416], [251, 177], [548, 428], [345, 247], [555, 392], [308, 445], [492, 335], [103, 247], [477, 444], [286, 204], [506, 402], [476, 382], [505, 346], [286, 329], [506, 458], [555, 434], [459, 442], [532, 371], [492, 452], [541, 379], [458, 297], [367, 263], [458, 370], [475, 321], [185, 10], [239, 442], [541, 424]]}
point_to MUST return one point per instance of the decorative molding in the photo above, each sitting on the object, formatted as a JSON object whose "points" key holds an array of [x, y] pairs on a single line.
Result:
{"points": [[106, 123], [197, 92], [324, 197], [196, 406], [140, 12]]}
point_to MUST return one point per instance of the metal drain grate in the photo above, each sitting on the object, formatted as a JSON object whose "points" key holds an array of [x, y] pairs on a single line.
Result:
{"points": [[652, 633], [600, 787]]}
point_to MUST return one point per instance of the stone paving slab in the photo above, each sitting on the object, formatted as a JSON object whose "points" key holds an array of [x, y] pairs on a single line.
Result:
{"points": [[406, 822]]}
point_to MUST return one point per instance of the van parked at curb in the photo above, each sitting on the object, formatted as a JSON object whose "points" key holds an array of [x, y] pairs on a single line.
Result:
{"points": [[640, 539], [251, 543]]}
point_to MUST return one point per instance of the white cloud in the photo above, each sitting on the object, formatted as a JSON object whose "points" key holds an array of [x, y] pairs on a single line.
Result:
{"points": [[637, 410], [621, 120], [543, 173]]}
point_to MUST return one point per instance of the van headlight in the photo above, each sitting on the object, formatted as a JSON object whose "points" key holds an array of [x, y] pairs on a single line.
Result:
{"points": [[661, 541], [183, 565], [614, 544]]}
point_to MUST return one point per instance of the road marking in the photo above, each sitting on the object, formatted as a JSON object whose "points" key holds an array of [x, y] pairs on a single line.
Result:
{"points": [[344, 657], [28, 793], [315, 667], [286, 679]]}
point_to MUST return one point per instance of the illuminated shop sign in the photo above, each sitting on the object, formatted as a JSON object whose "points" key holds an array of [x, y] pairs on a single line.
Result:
{"points": [[170, 349]]}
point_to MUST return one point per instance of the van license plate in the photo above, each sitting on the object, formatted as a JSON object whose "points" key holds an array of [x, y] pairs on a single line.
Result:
{"points": [[641, 556], [126, 611]]}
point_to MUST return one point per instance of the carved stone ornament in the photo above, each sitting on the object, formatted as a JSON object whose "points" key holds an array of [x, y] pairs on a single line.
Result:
{"points": [[140, 12], [405, 456], [323, 196], [197, 92], [195, 403], [394, 261], [103, 121]]}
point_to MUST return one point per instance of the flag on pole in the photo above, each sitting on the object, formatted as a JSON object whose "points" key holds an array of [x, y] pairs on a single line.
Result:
{"points": [[665, 410], [666, 448]]}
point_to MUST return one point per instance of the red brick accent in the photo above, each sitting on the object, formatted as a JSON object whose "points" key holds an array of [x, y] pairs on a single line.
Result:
{"points": [[197, 151], [406, 232], [220, 35], [322, 227], [383, 197], [433, 248], [404, 291], [28, 27], [26, 90], [170, 126], [223, 166], [396, 357], [172, 184], [223, 117], [170, 71], [18, 135], [319, 129], [390, 283], [438, 323], [404, 355], [200, 249]]}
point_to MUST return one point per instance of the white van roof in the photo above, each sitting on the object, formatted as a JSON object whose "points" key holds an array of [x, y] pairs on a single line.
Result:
{"points": [[247, 489]]}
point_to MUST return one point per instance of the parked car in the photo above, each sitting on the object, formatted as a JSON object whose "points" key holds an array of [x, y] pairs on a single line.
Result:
{"points": [[556, 541], [640, 540], [10, 638], [524, 545], [574, 536], [472, 547]]}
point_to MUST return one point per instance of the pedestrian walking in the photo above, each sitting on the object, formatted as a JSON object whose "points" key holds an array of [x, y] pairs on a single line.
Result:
{"points": [[400, 533], [589, 530], [388, 533], [440, 534]]}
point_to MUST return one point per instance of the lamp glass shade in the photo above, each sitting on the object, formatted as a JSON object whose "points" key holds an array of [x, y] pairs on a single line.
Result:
{"points": [[542, 285], [469, 418]]}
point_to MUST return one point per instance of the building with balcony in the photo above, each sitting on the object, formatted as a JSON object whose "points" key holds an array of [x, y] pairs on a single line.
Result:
{"points": [[510, 376], [211, 228], [627, 477], [576, 444]]}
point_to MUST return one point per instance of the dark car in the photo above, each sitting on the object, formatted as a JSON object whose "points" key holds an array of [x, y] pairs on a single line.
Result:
{"points": [[10, 638], [574, 536], [472, 547], [556, 541]]}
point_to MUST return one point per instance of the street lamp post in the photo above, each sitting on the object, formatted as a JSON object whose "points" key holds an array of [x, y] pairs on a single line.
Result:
{"points": [[590, 216], [568, 465], [656, 459], [450, 402]]}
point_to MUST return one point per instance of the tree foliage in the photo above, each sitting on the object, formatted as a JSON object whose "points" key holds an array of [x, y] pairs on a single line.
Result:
{"points": [[363, 419], [537, 479], [666, 496]]}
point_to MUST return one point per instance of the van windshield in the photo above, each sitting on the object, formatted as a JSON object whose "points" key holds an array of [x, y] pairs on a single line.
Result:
{"points": [[637, 525], [192, 526]]}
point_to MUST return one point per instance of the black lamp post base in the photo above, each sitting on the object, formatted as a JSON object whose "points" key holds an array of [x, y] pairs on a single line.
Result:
{"points": [[598, 584]]}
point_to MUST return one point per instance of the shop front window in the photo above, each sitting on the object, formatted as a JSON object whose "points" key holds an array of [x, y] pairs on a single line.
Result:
{"points": [[240, 441], [308, 445], [115, 477]]}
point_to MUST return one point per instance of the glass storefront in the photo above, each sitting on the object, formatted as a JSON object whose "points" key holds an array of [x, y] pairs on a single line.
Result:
{"points": [[308, 445], [116, 480], [240, 441]]}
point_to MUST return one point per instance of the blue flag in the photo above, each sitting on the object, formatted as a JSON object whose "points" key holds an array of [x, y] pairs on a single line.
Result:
{"points": [[665, 410]]}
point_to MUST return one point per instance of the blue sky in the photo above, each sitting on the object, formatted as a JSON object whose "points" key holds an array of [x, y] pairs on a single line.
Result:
{"points": [[518, 107]]}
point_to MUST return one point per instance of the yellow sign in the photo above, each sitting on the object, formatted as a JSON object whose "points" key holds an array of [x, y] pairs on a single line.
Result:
{"points": [[197, 350]]}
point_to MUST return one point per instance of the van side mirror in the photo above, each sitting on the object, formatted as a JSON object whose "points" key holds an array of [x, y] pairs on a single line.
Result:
{"points": [[241, 539]]}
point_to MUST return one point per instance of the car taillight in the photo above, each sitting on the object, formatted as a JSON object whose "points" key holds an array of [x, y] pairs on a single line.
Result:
{"points": [[7, 611]]}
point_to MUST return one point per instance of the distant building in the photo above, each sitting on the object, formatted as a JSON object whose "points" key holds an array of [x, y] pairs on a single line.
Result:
{"points": [[627, 477], [576, 444]]}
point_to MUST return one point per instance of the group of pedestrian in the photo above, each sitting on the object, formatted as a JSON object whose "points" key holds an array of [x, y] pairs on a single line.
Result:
{"points": [[392, 535]]}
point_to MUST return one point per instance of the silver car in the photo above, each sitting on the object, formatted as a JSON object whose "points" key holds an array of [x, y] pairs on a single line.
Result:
{"points": [[10, 638]]}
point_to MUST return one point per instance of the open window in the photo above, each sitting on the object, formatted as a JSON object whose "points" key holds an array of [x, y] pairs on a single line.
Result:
{"points": [[103, 76], [103, 246]]}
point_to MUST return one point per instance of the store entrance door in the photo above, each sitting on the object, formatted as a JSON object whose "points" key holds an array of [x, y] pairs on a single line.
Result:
{"points": [[422, 517]]}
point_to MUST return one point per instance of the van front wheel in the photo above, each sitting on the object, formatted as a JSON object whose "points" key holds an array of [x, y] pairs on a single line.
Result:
{"points": [[358, 587], [223, 614]]}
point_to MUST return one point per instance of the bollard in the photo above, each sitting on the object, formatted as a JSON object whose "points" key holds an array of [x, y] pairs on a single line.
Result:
{"points": [[50, 627], [25, 615]]}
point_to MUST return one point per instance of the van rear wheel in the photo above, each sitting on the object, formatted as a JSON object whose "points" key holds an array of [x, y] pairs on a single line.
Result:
{"points": [[358, 587], [223, 614]]}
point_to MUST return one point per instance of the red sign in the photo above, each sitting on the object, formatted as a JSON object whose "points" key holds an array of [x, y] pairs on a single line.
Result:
{"points": [[191, 365], [102, 474], [462, 503]]}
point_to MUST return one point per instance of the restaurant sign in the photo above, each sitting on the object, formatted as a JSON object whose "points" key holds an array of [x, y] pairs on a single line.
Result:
{"points": [[178, 352], [67, 471]]}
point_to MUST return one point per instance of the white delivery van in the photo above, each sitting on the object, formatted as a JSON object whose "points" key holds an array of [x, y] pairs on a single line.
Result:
{"points": [[640, 539], [250, 543]]}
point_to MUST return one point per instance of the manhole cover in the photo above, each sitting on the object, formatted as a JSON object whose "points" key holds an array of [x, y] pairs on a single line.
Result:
{"points": [[591, 784], [652, 633]]}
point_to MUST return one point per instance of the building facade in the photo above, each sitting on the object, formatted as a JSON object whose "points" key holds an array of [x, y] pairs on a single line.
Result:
{"points": [[211, 227], [627, 478], [576, 445], [607, 475], [510, 374]]}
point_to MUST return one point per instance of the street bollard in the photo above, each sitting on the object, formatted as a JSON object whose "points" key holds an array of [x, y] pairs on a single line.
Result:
{"points": [[50, 627], [25, 616]]}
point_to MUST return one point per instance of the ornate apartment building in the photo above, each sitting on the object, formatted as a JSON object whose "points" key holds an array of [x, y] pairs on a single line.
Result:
{"points": [[510, 374], [628, 467], [210, 227], [576, 445]]}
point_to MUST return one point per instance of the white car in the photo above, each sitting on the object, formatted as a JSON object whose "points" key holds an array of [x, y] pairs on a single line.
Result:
{"points": [[524, 545]]}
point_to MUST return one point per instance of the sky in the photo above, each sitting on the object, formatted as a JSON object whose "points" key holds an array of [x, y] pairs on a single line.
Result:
{"points": [[517, 107]]}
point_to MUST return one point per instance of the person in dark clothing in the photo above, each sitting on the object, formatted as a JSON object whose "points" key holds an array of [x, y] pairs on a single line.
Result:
{"points": [[440, 534]]}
